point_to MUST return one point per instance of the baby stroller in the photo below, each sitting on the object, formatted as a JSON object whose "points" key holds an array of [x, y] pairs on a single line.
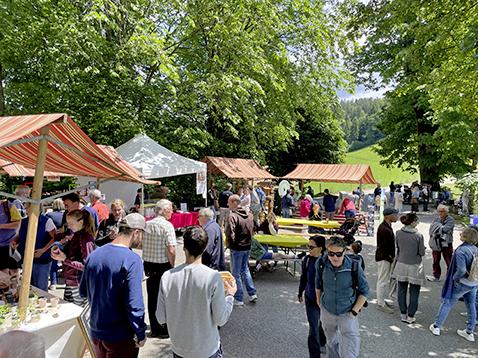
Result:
{"points": [[348, 229]]}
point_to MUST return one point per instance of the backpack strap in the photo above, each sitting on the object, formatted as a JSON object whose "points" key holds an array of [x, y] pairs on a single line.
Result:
{"points": [[320, 266], [355, 279]]}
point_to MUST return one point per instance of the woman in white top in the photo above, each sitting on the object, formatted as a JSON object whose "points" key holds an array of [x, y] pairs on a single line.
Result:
{"points": [[398, 200]]}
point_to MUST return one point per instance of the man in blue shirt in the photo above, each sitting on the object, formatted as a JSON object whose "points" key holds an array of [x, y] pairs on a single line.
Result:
{"points": [[112, 283], [213, 255], [329, 204]]}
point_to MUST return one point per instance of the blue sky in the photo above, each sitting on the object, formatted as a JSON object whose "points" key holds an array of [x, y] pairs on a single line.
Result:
{"points": [[362, 92]]}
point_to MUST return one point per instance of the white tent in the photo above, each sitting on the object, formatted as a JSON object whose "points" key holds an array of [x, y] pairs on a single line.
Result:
{"points": [[153, 161]]}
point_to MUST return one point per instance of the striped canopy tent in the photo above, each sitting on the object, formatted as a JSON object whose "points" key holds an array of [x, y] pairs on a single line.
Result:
{"points": [[334, 173], [69, 150], [17, 170], [53, 142], [236, 168]]}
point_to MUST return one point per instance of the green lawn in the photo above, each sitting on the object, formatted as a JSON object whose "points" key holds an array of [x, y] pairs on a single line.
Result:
{"points": [[382, 174]]}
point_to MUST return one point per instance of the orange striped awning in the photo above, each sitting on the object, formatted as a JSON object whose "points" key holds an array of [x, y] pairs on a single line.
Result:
{"points": [[236, 168], [334, 173], [70, 150], [16, 170]]}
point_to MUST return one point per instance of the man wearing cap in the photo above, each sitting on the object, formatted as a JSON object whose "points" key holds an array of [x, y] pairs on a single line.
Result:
{"points": [[384, 255], [112, 281]]}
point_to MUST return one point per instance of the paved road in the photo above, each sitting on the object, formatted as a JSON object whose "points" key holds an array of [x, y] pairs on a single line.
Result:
{"points": [[276, 325]]}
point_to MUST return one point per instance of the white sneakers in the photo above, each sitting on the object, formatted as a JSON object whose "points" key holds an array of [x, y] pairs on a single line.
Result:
{"points": [[407, 319], [432, 278], [434, 330], [238, 303], [468, 336], [252, 299]]}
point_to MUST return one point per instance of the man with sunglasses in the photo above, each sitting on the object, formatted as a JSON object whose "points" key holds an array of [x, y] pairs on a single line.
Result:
{"points": [[339, 301]]}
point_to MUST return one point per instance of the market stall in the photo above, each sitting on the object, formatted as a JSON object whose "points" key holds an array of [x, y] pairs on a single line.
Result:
{"points": [[54, 143], [236, 168], [339, 173], [58, 322], [153, 161]]}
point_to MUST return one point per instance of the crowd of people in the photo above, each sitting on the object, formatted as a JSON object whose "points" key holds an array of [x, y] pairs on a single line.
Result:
{"points": [[401, 271], [93, 243]]}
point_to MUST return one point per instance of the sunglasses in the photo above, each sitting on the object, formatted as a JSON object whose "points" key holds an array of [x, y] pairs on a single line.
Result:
{"points": [[312, 247], [337, 254]]}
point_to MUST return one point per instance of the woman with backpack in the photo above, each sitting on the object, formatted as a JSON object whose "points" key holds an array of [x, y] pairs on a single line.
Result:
{"points": [[316, 338], [461, 281]]}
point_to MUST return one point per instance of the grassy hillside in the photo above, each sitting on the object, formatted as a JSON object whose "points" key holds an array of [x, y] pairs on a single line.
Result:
{"points": [[382, 174]]}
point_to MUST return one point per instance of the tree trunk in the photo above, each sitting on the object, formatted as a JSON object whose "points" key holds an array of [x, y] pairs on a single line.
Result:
{"points": [[2, 93]]}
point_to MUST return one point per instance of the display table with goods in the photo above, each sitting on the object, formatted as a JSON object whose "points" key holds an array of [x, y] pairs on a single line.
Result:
{"points": [[59, 323]]}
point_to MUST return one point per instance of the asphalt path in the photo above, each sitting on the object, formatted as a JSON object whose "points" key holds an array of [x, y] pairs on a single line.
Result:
{"points": [[276, 326]]}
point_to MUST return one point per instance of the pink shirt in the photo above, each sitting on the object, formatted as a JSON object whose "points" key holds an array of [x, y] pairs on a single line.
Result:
{"points": [[347, 204], [304, 208]]}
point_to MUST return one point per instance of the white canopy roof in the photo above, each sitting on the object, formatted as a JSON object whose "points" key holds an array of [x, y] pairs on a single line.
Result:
{"points": [[155, 161]]}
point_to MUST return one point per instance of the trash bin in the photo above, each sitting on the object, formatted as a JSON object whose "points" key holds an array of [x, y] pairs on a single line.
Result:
{"points": [[473, 219]]}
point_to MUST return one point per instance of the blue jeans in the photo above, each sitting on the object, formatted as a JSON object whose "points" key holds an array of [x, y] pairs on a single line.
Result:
{"points": [[40, 274], [54, 273], [240, 270], [412, 307], [469, 294], [476, 300], [285, 212], [316, 333]]}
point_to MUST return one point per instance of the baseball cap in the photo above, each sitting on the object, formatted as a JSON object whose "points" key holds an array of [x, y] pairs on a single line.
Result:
{"points": [[133, 221], [390, 211]]}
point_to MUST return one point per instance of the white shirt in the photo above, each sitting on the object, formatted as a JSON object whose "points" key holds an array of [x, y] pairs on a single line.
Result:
{"points": [[192, 302]]}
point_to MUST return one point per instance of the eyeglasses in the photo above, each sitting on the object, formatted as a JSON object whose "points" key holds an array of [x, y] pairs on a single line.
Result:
{"points": [[337, 254], [312, 247]]}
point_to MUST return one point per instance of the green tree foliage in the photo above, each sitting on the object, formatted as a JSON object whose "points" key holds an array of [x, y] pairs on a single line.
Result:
{"points": [[201, 77], [320, 140], [360, 122], [407, 124], [430, 48]]}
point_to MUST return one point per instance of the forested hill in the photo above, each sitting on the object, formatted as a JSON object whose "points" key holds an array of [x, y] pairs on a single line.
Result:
{"points": [[360, 119]]}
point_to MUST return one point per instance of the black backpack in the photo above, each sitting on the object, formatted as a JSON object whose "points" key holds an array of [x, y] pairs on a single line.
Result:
{"points": [[356, 261]]}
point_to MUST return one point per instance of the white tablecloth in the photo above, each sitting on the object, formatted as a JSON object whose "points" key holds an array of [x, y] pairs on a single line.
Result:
{"points": [[62, 334]]}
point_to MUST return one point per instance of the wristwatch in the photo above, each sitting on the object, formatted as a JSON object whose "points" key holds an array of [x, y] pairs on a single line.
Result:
{"points": [[354, 312]]}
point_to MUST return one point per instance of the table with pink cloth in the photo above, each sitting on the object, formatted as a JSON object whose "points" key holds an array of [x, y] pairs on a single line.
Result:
{"points": [[184, 219]]}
